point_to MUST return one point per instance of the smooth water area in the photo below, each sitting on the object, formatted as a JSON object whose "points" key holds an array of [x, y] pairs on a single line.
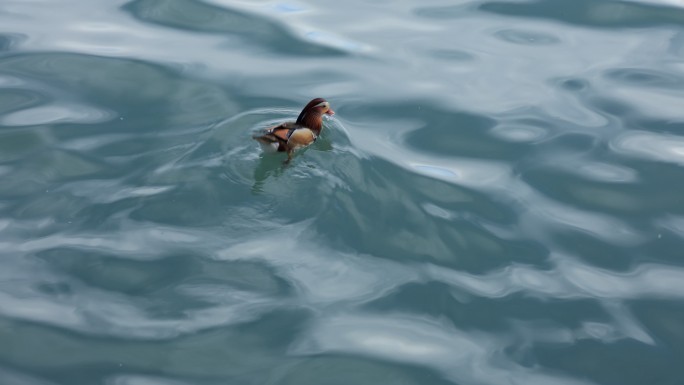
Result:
{"points": [[498, 200]]}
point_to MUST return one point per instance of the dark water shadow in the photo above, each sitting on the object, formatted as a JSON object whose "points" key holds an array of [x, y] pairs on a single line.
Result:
{"points": [[645, 77], [470, 312], [9, 41], [200, 17], [590, 13], [625, 361], [237, 354]]}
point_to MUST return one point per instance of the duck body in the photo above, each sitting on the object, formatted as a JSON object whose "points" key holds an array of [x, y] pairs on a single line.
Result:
{"points": [[286, 137], [290, 136]]}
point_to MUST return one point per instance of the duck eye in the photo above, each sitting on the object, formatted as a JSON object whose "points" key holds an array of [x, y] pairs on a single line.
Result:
{"points": [[321, 104]]}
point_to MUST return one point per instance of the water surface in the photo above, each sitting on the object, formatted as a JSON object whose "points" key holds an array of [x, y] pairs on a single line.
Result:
{"points": [[498, 199]]}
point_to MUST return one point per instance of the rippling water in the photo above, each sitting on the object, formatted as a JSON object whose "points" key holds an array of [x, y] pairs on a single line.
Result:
{"points": [[499, 199]]}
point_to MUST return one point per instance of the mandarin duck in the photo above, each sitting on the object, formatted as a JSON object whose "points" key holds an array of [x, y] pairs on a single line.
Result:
{"points": [[290, 136]]}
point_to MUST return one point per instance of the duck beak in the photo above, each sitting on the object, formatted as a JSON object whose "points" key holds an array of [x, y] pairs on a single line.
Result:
{"points": [[330, 112]]}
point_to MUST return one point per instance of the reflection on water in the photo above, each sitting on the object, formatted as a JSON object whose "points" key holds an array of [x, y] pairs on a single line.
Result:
{"points": [[653, 146], [497, 200]]}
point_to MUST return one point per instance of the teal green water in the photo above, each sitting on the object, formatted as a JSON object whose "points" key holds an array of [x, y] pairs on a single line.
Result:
{"points": [[498, 200]]}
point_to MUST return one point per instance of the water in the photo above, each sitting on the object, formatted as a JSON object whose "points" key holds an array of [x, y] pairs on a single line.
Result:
{"points": [[498, 200]]}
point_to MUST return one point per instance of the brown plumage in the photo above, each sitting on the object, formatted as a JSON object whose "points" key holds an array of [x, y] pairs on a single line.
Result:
{"points": [[289, 136]]}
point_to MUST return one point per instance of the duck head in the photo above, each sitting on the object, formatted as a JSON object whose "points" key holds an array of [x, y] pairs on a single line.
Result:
{"points": [[312, 114]]}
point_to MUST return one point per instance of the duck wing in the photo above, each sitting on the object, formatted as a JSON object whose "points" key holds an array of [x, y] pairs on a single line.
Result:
{"points": [[277, 136]]}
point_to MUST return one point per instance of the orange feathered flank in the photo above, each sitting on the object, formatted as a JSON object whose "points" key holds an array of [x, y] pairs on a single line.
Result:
{"points": [[289, 136]]}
